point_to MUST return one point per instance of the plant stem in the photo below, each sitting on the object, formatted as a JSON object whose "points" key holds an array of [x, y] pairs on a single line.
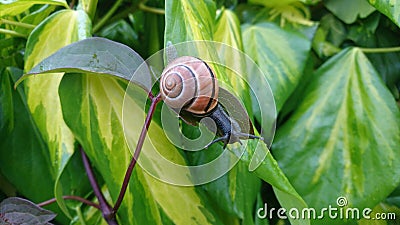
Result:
{"points": [[72, 4], [106, 210], [19, 24], [154, 101], [146, 8], [12, 33], [108, 15], [380, 50], [71, 197], [91, 8]]}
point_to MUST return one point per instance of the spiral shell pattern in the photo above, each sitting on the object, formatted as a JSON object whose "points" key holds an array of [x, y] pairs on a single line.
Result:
{"points": [[188, 83]]}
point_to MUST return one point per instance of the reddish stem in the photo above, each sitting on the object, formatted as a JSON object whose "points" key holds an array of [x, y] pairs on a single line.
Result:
{"points": [[154, 101], [106, 210], [71, 197]]}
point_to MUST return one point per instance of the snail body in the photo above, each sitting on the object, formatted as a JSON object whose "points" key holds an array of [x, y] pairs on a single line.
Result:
{"points": [[189, 86]]}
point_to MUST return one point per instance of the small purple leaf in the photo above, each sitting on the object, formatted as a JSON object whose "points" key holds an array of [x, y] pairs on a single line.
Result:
{"points": [[21, 211]]}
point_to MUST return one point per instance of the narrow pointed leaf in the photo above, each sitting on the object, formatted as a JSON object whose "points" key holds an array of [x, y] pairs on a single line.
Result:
{"points": [[343, 139], [60, 29]]}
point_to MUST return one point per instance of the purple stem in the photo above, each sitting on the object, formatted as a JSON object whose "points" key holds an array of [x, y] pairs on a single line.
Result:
{"points": [[106, 210], [154, 101], [71, 197]]}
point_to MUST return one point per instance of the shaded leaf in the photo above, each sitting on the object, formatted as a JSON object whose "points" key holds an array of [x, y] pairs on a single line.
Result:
{"points": [[349, 11], [122, 32], [25, 162], [20, 211], [343, 138]]}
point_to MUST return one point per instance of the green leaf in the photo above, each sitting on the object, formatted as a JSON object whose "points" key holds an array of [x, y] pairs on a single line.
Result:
{"points": [[15, 7], [391, 8], [227, 29], [58, 30], [281, 55], [189, 20], [270, 172], [343, 138], [123, 32], [241, 197], [96, 120], [35, 18], [348, 11], [385, 63], [95, 55], [24, 157], [329, 36]]}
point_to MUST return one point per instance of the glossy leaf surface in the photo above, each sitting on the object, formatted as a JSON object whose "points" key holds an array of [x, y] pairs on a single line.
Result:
{"points": [[240, 197], [95, 55], [343, 138], [281, 55], [391, 8], [97, 124], [15, 7]]}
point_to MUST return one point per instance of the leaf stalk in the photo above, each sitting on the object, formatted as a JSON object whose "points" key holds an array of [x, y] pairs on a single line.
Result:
{"points": [[380, 50], [149, 116]]}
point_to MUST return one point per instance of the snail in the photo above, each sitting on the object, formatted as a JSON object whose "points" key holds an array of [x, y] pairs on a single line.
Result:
{"points": [[189, 86]]}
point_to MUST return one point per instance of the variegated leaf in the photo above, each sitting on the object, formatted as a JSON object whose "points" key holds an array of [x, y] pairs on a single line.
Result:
{"points": [[281, 55], [96, 121], [60, 29], [343, 139], [15, 7]]}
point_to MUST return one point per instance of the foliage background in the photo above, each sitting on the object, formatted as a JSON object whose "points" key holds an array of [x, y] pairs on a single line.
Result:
{"points": [[333, 67]]}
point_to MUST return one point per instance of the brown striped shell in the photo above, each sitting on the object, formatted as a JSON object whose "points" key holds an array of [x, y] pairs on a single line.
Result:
{"points": [[188, 83]]}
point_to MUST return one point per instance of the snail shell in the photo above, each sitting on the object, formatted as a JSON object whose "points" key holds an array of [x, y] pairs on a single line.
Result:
{"points": [[188, 83]]}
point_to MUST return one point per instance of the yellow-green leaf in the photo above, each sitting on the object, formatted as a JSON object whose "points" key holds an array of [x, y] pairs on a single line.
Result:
{"points": [[58, 30], [15, 7], [343, 139], [189, 20], [94, 113]]}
